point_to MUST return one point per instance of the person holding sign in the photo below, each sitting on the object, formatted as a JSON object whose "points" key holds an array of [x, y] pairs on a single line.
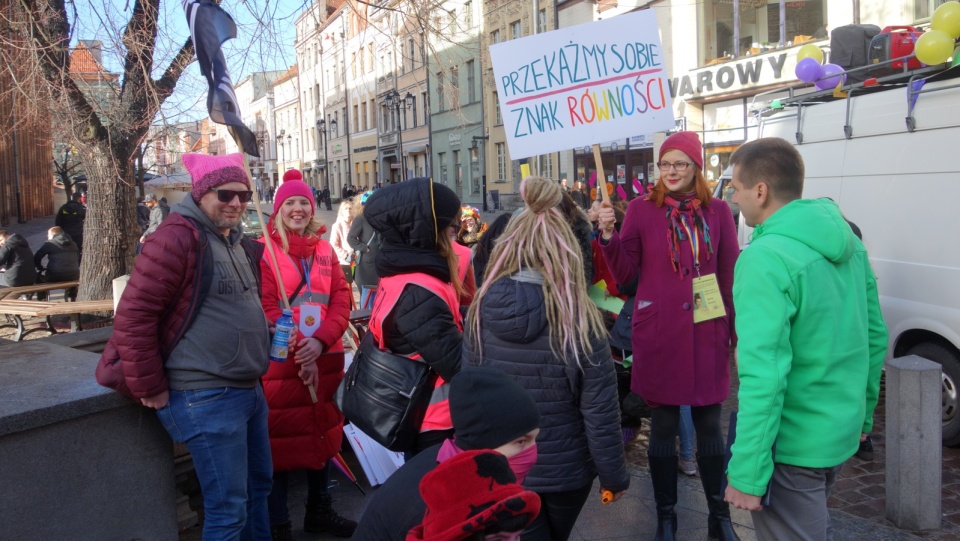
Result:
{"points": [[681, 245], [305, 433]]}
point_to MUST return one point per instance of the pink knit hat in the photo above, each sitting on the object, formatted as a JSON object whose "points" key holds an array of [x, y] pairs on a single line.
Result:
{"points": [[687, 142], [292, 174], [209, 172], [290, 188]]}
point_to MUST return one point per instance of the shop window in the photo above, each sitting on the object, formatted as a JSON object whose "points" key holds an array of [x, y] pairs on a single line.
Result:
{"points": [[923, 9], [759, 27]]}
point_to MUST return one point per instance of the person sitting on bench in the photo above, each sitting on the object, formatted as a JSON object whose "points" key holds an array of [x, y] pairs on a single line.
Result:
{"points": [[63, 262], [15, 259]]}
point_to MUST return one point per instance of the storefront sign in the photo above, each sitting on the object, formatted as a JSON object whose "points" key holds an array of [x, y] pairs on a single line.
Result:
{"points": [[365, 149], [336, 149], [582, 85], [454, 139], [750, 72]]}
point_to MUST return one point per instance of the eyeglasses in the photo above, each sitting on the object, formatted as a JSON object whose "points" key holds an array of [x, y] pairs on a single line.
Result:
{"points": [[679, 166], [226, 196]]}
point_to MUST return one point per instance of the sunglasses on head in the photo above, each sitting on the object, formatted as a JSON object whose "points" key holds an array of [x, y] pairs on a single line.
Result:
{"points": [[226, 196]]}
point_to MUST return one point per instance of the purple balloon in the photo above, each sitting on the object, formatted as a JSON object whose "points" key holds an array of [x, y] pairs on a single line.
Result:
{"points": [[808, 70], [833, 77]]}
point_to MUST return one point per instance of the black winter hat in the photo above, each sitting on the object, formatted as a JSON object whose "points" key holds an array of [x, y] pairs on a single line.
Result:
{"points": [[490, 409]]}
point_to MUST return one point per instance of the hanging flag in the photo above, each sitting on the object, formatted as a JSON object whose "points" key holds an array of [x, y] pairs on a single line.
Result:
{"points": [[210, 26]]}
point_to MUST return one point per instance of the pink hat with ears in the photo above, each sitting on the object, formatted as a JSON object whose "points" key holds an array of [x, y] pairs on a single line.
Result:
{"points": [[290, 188], [209, 172]]}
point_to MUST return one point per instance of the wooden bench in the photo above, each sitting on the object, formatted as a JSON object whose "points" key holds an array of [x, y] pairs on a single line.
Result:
{"points": [[17, 310], [15, 292]]}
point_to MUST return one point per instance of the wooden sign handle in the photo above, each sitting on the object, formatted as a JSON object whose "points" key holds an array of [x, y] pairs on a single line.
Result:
{"points": [[601, 176]]}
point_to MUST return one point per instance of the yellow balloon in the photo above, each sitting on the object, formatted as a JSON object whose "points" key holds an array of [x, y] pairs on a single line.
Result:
{"points": [[947, 19], [810, 51], [934, 47]]}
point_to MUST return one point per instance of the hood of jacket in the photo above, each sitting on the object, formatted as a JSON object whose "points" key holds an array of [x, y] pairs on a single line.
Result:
{"points": [[16, 240], [189, 208], [817, 223], [409, 217], [62, 239], [513, 308]]}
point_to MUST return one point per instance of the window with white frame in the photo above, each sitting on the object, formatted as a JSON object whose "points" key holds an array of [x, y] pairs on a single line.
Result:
{"points": [[501, 161], [542, 21], [471, 82], [515, 30], [498, 119]]}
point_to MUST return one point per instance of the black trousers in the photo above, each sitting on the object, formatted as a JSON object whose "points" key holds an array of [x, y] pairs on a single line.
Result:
{"points": [[558, 514]]}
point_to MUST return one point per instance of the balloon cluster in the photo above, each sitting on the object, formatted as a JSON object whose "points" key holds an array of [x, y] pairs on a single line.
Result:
{"points": [[935, 46], [810, 68]]}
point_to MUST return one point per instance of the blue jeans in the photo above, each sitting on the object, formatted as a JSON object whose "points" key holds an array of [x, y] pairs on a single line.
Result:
{"points": [[367, 295], [225, 429], [686, 433]]}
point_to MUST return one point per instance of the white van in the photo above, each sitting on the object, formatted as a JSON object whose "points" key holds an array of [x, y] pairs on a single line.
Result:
{"points": [[894, 169]]}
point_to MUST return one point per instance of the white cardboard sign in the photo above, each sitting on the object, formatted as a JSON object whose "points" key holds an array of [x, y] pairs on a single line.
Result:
{"points": [[581, 85]]}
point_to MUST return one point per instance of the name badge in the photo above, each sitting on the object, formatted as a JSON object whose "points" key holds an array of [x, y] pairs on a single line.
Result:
{"points": [[707, 302], [309, 319]]}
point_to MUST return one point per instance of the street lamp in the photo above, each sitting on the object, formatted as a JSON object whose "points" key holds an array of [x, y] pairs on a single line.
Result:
{"points": [[322, 132], [283, 158], [394, 101], [474, 151]]}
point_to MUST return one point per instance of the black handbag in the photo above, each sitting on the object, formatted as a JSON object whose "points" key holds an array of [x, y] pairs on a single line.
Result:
{"points": [[386, 395]]}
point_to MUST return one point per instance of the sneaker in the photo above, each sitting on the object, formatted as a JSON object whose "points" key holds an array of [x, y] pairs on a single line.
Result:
{"points": [[281, 532], [865, 452], [688, 467]]}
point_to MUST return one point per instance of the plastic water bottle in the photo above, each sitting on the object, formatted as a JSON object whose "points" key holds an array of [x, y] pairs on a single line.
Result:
{"points": [[281, 339]]}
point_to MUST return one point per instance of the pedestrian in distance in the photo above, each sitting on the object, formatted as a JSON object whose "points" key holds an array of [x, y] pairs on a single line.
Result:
{"points": [[490, 411], [417, 308], [533, 319], [339, 239], [193, 343], [679, 241], [811, 350], [158, 211], [62, 262], [305, 435], [325, 195], [143, 215], [365, 241], [70, 218]]}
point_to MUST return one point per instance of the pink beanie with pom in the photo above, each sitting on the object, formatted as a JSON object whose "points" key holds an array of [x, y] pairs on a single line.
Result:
{"points": [[209, 172], [290, 188]]}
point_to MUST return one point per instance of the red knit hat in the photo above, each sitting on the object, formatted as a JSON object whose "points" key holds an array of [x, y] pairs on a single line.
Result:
{"points": [[209, 172], [474, 491], [292, 174], [290, 188], [687, 142]]}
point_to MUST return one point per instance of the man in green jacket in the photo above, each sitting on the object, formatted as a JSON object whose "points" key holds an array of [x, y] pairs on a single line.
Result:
{"points": [[811, 346]]}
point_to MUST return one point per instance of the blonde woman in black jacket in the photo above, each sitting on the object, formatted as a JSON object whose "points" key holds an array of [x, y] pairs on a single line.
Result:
{"points": [[532, 319]]}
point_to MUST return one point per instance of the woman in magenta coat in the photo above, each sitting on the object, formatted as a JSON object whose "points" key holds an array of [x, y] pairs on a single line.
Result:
{"points": [[676, 241]]}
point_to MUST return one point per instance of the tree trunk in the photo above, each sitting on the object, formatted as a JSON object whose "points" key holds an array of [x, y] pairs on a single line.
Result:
{"points": [[110, 221]]}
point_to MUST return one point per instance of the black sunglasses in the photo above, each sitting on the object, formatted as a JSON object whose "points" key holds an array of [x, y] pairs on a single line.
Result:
{"points": [[226, 196]]}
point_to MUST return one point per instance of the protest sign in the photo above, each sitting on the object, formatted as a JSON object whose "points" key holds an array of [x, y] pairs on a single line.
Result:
{"points": [[582, 85]]}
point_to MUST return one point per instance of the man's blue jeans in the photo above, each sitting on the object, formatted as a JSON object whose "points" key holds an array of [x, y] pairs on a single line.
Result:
{"points": [[225, 429], [367, 296]]}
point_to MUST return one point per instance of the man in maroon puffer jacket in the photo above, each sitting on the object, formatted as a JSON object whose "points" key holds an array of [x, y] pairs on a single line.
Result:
{"points": [[193, 343]]}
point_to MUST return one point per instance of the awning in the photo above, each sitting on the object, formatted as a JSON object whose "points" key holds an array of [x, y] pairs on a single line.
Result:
{"points": [[416, 149]]}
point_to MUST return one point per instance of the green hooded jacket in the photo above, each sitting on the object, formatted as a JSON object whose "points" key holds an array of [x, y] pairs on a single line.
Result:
{"points": [[811, 343]]}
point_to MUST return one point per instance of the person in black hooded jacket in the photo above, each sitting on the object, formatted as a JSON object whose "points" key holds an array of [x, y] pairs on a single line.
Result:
{"points": [[63, 261], [533, 319], [417, 311], [16, 258]]}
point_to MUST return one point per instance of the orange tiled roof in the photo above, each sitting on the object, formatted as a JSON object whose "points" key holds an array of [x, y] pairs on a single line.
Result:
{"points": [[290, 74], [85, 66]]}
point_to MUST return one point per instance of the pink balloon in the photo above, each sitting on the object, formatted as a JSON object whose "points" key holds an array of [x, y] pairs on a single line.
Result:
{"points": [[808, 70], [833, 77]]}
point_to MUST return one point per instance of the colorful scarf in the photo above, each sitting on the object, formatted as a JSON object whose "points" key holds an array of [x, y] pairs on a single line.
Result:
{"points": [[685, 216]]}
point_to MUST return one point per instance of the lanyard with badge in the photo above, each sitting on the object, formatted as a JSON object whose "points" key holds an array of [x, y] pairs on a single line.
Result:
{"points": [[707, 301], [309, 310]]}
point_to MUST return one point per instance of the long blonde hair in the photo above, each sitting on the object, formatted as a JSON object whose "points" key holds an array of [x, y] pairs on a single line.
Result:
{"points": [[539, 238], [313, 227]]}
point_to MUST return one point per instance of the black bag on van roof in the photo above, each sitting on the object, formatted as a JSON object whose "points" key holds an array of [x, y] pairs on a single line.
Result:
{"points": [[850, 48]]}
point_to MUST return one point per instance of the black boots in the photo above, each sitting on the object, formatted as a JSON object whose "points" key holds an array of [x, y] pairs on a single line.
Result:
{"points": [[711, 475], [281, 532], [663, 474], [321, 518]]}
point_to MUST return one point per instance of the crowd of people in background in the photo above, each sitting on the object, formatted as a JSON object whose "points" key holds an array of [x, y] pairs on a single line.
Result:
{"points": [[537, 389]]}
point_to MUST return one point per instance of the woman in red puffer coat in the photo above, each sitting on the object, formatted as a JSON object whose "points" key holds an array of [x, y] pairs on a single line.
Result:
{"points": [[305, 434]]}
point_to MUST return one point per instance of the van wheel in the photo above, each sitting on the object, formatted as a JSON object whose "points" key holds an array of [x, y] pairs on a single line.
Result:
{"points": [[950, 387]]}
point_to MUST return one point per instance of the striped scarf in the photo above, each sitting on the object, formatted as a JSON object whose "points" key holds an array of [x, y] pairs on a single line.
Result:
{"points": [[685, 214]]}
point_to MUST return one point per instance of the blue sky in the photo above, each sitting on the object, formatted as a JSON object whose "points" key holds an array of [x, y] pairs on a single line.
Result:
{"points": [[265, 35]]}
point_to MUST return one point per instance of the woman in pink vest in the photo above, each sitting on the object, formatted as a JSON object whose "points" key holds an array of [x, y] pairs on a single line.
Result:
{"points": [[305, 434], [417, 309]]}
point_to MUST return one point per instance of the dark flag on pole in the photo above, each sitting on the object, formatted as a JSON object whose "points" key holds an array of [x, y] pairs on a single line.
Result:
{"points": [[210, 26]]}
